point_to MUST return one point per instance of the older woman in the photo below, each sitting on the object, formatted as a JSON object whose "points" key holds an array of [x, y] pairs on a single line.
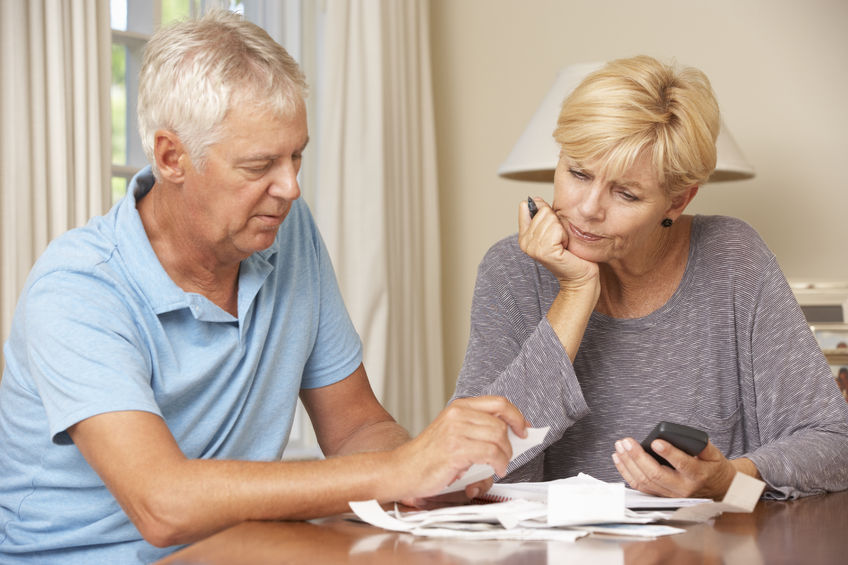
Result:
{"points": [[612, 309]]}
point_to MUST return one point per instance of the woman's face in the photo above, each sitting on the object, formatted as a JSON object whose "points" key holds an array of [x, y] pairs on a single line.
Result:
{"points": [[609, 219]]}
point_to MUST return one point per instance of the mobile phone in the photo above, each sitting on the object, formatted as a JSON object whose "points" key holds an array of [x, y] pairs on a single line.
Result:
{"points": [[686, 438]]}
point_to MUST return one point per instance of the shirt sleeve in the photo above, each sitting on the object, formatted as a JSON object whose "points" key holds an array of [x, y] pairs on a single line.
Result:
{"points": [[512, 345], [83, 351], [338, 350], [802, 418]]}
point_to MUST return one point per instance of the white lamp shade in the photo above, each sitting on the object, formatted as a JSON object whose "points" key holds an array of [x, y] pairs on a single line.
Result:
{"points": [[534, 156]]}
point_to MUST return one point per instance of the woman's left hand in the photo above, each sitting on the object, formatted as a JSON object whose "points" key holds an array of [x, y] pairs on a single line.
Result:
{"points": [[706, 475]]}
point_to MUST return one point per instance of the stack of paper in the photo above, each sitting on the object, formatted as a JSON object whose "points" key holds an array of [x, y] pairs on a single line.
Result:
{"points": [[563, 510], [574, 507]]}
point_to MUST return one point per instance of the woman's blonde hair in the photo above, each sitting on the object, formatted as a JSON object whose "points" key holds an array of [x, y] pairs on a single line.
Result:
{"points": [[637, 106], [194, 71]]}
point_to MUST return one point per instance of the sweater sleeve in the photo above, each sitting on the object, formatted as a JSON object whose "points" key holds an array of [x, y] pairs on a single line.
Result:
{"points": [[512, 345], [802, 419]]}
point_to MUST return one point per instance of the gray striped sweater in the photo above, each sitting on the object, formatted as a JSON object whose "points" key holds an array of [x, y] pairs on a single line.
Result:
{"points": [[730, 353]]}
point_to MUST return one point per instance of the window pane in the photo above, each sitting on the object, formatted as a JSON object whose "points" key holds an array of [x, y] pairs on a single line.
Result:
{"points": [[119, 104], [118, 14], [175, 10], [119, 188]]}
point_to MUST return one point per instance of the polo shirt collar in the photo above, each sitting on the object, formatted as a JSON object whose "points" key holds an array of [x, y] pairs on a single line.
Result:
{"points": [[150, 277]]}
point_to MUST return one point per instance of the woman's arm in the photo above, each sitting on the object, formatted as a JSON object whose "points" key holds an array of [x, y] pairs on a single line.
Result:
{"points": [[802, 420], [543, 238], [526, 327]]}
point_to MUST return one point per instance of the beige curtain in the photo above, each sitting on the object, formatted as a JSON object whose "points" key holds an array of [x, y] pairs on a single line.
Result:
{"points": [[54, 129], [374, 193]]}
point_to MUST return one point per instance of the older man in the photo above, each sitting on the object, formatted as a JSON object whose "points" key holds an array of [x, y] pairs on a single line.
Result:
{"points": [[157, 354]]}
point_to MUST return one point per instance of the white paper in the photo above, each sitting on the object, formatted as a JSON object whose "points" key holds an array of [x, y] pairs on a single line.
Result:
{"points": [[479, 472], [632, 530], [539, 491], [476, 521], [508, 514], [571, 504], [370, 511], [636, 499], [580, 502]]}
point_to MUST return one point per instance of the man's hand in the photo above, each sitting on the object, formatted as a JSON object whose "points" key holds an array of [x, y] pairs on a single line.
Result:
{"points": [[708, 474], [175, 500], [469, 431]]}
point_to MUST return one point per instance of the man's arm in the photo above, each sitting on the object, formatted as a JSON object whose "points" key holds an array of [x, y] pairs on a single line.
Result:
{"points": [[347, 417], [173, 500]]}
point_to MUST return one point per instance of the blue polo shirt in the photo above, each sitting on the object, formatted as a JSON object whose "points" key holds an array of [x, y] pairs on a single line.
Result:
{"points": [[100, 327]]}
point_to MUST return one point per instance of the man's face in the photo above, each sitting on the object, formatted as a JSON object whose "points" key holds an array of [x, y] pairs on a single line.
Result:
{"points": [[237, 201]]}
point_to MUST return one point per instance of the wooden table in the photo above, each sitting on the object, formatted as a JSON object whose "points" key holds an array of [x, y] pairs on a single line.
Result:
{"points": [[808, 531]]}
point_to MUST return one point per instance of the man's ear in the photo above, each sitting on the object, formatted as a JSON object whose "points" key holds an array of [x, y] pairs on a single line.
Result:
{"points": [[680, 202], [169, 153]]}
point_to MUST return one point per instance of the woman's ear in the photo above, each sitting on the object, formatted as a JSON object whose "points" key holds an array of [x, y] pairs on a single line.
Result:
{"points": [[680, 202], [168, 152]]}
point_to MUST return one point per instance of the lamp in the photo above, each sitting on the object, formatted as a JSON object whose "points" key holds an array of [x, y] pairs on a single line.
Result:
{"points": [[534, 156]]}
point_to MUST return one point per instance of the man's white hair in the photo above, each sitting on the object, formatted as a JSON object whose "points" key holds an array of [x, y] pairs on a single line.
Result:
{"points": [[194, 71]]}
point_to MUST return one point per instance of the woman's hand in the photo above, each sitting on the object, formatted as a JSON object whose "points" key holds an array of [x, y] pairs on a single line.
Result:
{"points": [[544, 239], [707, 475]]}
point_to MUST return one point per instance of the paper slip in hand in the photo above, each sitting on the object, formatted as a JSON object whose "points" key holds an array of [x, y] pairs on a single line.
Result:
{"points": [[478, 472]]}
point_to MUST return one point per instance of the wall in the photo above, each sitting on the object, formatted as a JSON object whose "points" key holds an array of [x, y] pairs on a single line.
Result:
{"points": [[778, 68]]}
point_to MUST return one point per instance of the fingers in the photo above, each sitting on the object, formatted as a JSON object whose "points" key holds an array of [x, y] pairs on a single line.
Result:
{"points": [[500, 407], [544, 238], [706, 475], [710, 453], [469, 431], [474, 490], [640, 470], [476, 429], [523, 216], [541, 231], [471, 492], [413, 502], [528, 209]]}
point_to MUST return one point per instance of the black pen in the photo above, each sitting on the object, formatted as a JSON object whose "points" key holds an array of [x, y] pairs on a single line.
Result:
{"points": [[532, 207]]}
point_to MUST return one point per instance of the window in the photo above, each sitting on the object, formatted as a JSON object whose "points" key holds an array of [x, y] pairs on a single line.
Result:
{"points": [[133, 21]]}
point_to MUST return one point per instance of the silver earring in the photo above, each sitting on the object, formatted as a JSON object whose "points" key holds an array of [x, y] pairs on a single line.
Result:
{"points": [[666, 223]]}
